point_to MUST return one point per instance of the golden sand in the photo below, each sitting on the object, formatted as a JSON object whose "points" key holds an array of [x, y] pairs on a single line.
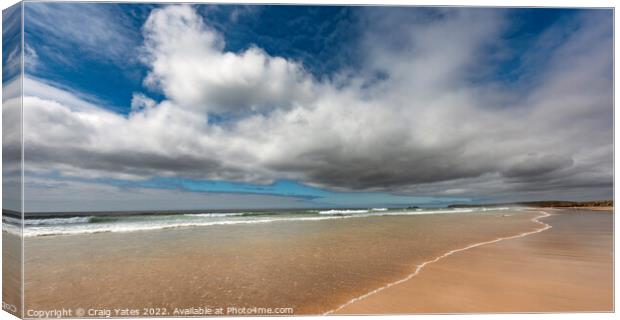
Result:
{"points": [[314, 267], [567, 268], [311, 266]]}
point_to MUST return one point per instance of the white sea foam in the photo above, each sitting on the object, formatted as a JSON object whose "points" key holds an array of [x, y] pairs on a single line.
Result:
{"points": [[56, 221], [215, 215], [336, 211], [89, 225], [7, 219], [12, 229], [421, 266], [47, 221], [124, 227], [37, 231]]}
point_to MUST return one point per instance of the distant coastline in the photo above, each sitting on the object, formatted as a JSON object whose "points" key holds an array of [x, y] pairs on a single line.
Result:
{"points": [[544, 204], [537, 204]]}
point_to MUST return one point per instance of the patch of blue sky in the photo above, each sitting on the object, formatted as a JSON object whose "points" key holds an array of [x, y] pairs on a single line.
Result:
{"points": [[95, 48], [11, 42], [88, 47], [318, 196], [528, 28], [311, 196]]}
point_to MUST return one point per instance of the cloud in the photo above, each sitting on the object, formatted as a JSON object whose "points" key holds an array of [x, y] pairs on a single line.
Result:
{"points": [[427, 125], [533, 166], [238, 12], [140, 101], [31, 58], [188, 63], [100, 31]]}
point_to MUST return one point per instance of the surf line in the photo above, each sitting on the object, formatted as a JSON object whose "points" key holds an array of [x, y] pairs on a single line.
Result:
{"points": [[544, 226]]}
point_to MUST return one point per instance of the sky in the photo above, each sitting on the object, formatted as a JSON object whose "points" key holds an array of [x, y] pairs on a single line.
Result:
{"points": [[146, 107]]}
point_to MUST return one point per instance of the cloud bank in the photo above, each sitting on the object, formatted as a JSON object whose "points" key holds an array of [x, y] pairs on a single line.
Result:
{"points": [[425, 115]]}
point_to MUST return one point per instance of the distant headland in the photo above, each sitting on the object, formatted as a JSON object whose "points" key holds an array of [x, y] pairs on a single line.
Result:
{"points": [[546, 204]]}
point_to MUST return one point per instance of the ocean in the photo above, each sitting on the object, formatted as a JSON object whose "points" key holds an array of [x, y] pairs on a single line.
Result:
{"points": [[88, 223], [310, 260]]}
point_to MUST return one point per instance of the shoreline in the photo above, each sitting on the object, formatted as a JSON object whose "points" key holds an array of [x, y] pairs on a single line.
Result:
{"points": [[312, 266], [535, 272], [374, 265], [421, 266]]}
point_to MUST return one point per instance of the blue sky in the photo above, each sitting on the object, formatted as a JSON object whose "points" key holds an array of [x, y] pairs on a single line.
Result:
{"points": [[323, 40], [104, 63], [118, 59]]}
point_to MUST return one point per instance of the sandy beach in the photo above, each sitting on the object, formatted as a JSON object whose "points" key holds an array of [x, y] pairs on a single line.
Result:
{"points": [[610, 209], [313, 267], [567, 268], [310, 266], [11, 273]]}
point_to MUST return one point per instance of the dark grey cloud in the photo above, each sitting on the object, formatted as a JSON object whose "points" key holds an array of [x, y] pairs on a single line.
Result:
{"points": [[533, 166], [390, 168]]}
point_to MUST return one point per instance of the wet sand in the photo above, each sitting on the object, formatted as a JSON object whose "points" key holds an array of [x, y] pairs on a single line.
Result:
{"points": [[310, 266], [568, 268], [11, 273]]}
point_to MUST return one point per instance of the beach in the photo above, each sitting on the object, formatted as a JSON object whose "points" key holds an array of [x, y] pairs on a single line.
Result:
{"points": [[566, 268], [11, 273], [315, 266]]}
